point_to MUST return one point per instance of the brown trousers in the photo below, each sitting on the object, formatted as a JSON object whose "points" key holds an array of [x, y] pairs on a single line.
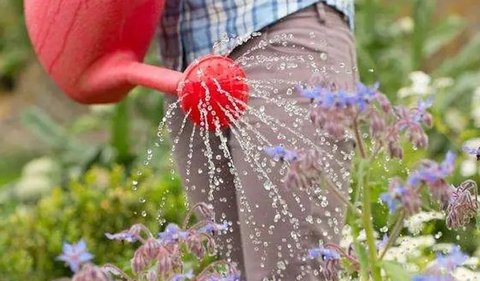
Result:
{"points": [[273, 227]]}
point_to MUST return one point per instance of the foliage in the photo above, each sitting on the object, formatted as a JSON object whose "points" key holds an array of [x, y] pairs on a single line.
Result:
{"points": [[396, 39], [100, 201], [377, 126], [14, 47], [177, 253]]}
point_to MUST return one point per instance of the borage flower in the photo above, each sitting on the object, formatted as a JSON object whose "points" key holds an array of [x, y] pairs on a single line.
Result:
{"points": [[304, 171], [91, 272], [401, 195], [443, 266], [463, 204], [182, 276], [75, 255], [472, 151], [131, 235], [433, 176], [211, 228], [280, 153], [381, 244], [172, 234], [330, 257], [220, 277]]}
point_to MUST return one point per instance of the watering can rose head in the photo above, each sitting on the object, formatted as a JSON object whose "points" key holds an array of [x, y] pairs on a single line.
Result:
{"points": [[94, 50]]}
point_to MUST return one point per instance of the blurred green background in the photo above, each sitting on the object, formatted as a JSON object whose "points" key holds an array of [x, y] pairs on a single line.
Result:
{"points": [[66, 170]]}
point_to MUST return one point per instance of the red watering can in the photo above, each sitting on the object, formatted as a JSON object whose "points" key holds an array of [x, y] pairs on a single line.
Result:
{"points": [[93, 50]]}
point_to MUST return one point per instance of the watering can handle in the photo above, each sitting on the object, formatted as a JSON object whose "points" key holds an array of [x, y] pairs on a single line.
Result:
{"points": [[93, 49]]}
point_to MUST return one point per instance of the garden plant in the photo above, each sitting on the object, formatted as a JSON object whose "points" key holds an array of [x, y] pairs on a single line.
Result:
{"points": [[408, 218], [379, 129]]}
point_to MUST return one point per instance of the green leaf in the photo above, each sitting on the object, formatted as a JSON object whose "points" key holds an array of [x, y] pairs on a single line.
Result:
{"points": [[477, 224], [395, 271], [121, 131], [467, 59], [443, 33], [44, 127], [362, 258]]}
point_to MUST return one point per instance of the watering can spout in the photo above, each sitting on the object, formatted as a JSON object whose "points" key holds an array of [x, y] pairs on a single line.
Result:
{"points": [[112, 77], [93, 50]]}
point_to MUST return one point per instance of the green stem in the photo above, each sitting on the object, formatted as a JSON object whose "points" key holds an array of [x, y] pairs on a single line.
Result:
{"points": [[369, 231], [120, 132], [361, 147], [367, 209], [394, 235], [358, 250]]}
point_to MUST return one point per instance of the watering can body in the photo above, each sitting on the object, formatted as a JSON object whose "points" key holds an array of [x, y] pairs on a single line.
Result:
{"points": [[89, 47], [93, 50]]}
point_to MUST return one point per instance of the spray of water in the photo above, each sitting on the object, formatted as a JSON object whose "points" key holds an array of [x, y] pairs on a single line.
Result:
{"points": [[275, 115]]}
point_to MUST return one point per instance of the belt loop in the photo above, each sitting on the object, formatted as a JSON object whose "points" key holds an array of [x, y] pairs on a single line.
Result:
{"points": [[322, 15]]}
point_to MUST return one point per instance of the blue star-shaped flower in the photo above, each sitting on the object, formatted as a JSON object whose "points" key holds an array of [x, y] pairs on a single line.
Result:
{"points": [[75, 255], [324, 253], [211, 228], [281, 153], [452, 260], [172, 234]]}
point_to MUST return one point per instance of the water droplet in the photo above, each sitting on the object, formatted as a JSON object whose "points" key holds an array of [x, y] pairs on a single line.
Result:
{"points": [[323, 56], [268, 185]]}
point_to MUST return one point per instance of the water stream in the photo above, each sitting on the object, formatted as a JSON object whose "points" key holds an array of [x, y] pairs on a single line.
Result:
{"points": [[275, 115]]}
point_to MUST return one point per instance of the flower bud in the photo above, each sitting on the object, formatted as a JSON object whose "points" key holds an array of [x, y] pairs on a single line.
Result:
{"points": [[151, 275], [377, 124], [195, 245], [395, 150], [384, 102], [206, 210], [427, 119], [139, 261], [151, 248], [463, 205], [90, 272], [165, 262]]}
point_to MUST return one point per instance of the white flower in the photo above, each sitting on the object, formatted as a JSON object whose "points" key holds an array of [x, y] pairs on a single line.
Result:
{"points": [[420, 85], [40, 167], [32, 188], [456, 120], [461, 273], [468, 167], [416, 222], [420, 82], [409, 247], [405, 24], [475, 142]]}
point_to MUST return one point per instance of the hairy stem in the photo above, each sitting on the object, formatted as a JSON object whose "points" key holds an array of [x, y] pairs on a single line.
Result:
{"points": [[113, 269], [359, 139], [394, 235], [212, 266], [367, 221], [190, 214]]}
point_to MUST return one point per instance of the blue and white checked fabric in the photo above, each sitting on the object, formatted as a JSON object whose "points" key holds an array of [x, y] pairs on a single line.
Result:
{"points": [[190, 28]]}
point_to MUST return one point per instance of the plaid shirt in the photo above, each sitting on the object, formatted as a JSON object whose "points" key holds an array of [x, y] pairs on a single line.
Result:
{"points": [[189, 29]]}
